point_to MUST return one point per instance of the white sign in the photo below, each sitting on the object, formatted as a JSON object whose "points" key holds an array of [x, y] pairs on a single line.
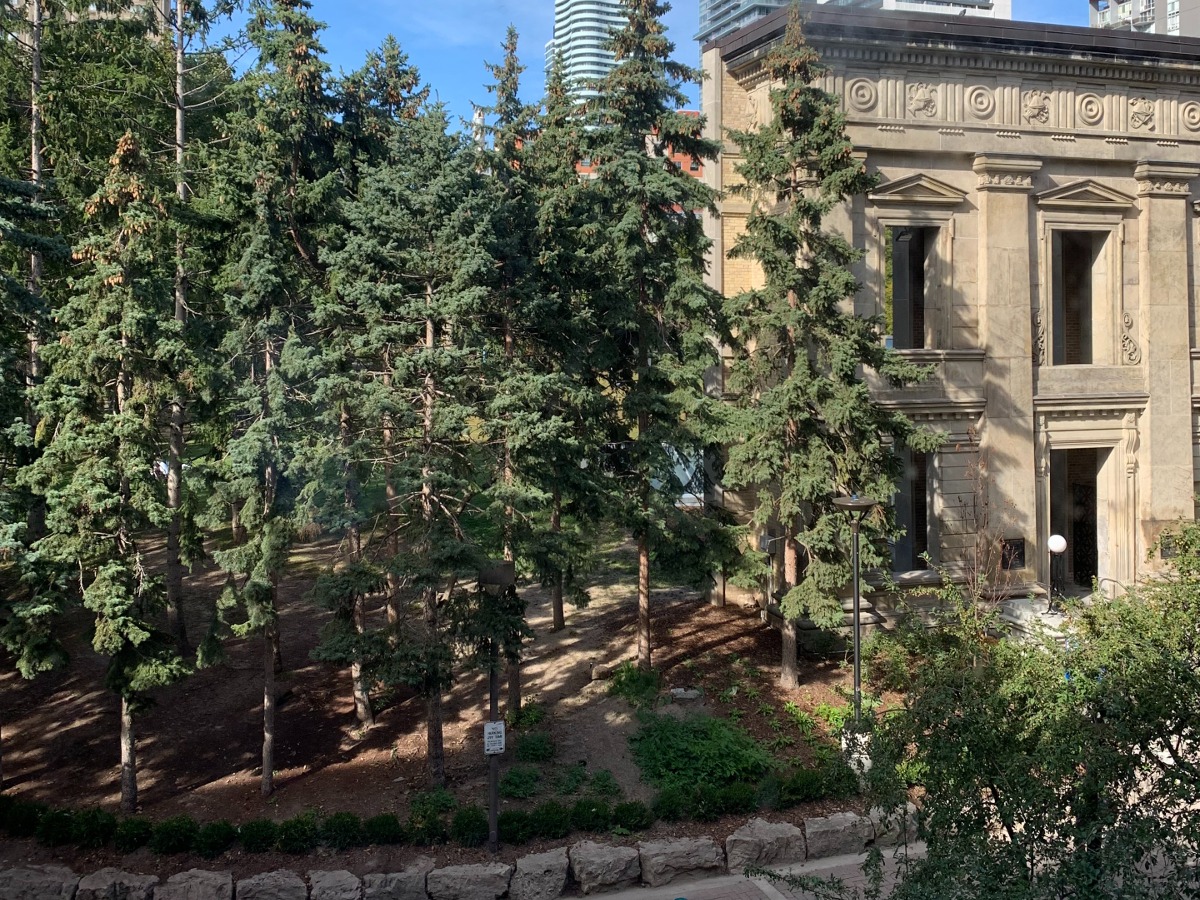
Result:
{"points": [[493, 738]]}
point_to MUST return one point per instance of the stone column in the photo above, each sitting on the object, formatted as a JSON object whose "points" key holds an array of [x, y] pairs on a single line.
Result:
{"points": [[1164, 256], [1005, 315]]}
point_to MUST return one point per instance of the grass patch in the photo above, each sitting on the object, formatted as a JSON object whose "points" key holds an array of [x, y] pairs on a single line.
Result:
{"points": [[520, 782], [637, 686]]}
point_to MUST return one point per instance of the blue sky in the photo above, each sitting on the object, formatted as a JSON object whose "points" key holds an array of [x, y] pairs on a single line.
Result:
{"points": [[449, 40]]}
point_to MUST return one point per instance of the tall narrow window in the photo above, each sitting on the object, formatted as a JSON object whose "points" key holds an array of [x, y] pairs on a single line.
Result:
{"points": [[906, 263], [912, 514], [1079, 316]]}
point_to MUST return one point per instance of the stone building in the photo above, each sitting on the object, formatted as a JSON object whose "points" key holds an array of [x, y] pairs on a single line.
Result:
{"points": [[1036, 200]]}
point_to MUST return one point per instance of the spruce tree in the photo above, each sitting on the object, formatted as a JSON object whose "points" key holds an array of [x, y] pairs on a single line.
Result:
{"points": [[657, 312], [806, 428]]}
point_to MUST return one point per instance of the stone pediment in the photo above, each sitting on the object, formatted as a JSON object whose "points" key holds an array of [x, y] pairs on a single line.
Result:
{"points": [[1086, 194], [917, 190]]}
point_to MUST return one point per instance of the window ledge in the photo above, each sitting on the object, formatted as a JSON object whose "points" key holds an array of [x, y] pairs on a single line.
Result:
{"points": [[924, 355]]}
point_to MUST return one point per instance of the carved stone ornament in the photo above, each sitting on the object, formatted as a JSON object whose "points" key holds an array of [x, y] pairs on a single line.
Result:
{"points": [[922, 99], [1090, 109], [1162, 186], [862, 95], [1141, 113], [1036, 107], [1005, 179], [1131, 353], [1190, 114], [1039, 338], [981, 101], [755, 101]]}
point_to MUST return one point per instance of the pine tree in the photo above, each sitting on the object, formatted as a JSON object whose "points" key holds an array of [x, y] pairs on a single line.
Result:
{"points": [[657, 312], [806, 427], [99, 408]]}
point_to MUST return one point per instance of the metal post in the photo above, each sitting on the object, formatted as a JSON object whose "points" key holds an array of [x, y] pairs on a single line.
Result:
{"points": [[494, 759], [857, 624]]}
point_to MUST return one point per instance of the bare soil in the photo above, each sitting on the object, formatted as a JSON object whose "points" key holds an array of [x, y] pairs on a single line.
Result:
{"points": [[200, 745]]}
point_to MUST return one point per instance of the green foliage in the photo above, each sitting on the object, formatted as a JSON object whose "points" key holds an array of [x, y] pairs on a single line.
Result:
{"points": [[469, 827], [425, 826], [604, 784], [802, 719], [696, 750], [530, 715], [175, 835], [215, 838], [673, 803], [536, 747], [802, 786], [436, 801], [738, 797], [56, 827], [550, 820], [514, 826], [258, 835], [591, 814], [834, 717], [132, 834], [520, 782], [94, 828], [297, 835], [383, 829], [632, 815], [637, 686], [572, 779], [341, 831]]}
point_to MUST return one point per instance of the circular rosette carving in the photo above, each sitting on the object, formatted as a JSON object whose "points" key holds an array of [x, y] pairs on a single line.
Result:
{"points": [[1090, 109], [862, 95], [1191, 115], [981, 102]]}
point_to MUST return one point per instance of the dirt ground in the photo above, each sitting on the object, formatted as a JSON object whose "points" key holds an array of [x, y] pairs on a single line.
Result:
{"points": [[199, 746]]}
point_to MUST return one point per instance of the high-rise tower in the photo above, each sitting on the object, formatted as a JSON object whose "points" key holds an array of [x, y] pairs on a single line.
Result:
{"points": [[582, 29]]}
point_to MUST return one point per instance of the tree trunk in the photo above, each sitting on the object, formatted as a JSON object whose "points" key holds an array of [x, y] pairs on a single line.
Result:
{"points": [[644, 661], [129, 791], [514, 690], [362, 695], [789, 672], [393, 506], [236, 528], [175, 443], [436, 751], [35, 519], [556, 599], [268, 745]]}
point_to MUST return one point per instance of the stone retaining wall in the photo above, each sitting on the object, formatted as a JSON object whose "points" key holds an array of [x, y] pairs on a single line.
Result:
{"points": [[595, 867]]}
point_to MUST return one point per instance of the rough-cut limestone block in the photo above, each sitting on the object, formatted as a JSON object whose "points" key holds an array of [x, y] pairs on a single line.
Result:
{"points": [[763, 843], [838, 834], [406, 885], [897, 827], [38, 883], [336, 885], [196, 884], [599, 867], [113, 884], [664, 861], [487, 881], [278, 885], [540, 876]]}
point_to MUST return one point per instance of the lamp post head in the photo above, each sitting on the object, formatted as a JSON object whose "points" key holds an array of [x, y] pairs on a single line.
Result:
{"points": [[855, 505], [1056, 544]]}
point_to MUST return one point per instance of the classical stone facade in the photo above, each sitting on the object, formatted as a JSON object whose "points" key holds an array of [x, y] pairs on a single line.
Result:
{"points": [[1036, 205]]}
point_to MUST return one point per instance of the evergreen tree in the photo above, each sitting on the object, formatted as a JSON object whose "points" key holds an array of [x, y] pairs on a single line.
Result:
{"points": [[806, 428], [99, 409], [657, 312]]}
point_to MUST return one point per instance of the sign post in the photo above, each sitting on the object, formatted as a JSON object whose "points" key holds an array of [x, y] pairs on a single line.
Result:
{"points": [[493, 747]]}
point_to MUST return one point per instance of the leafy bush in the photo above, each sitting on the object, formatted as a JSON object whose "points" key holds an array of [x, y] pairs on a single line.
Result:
{"points": [[803, 786], [470, 826], [705, 802], [840, 780], [572, 778], [341, 831], [912, 771], [132, 834], [639, 687], [603, 784], [738, 797], [530, 715], [258, 835], [55, 828], [23, 817], [425, 828], [591, 815], [835, 717], [887, 664], [174, 835], [697, 750], [94, 828], [536, 747], [215, 838], [519, 782], [297, 835], [514, 826], [550, 820], [439, 800], [770, 793], [384, 828], [632, 815], [672, 804]]}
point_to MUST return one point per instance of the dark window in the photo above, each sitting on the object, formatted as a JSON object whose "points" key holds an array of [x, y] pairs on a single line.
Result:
{"points": [[906, 267], [912, 514], [1077, 274]]}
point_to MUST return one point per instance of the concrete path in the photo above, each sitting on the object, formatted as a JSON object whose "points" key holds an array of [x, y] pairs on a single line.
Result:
{"points": [[739, 887]]}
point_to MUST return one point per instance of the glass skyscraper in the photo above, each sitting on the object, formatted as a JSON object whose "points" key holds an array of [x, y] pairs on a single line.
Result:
{"points": [[582, 29]]}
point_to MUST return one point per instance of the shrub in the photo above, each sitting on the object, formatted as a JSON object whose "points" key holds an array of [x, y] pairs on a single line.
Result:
{"points": [[770, 792], [297, 835], [434, 802], [174, 835], [341, 831], [132, 834], [639, 687], [738, 797], [519, 783], [697, 750], [912, 771], [591, 815], [672, 803], [705, 805], [632, 815], [215, 838], [603, 784], [55, 828], [469, 827], [551, 820], [572, 778], [425, 828], [23, 817], [536, 747], [514, 826], [530, 715], [802, 786], [835, 717], [94, 828], [840, 780], [258, 835], [384, 828]]}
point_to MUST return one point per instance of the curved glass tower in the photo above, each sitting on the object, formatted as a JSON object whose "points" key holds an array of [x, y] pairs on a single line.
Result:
{"points": [[581, 32]]}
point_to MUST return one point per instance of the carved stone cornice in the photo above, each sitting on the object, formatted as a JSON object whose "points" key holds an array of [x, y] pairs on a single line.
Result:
{"points": [[1164, 179], [1002, 172]]}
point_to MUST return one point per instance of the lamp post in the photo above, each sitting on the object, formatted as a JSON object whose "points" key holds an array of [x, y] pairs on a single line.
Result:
{"points": [[856, 507], [1057, 545]]}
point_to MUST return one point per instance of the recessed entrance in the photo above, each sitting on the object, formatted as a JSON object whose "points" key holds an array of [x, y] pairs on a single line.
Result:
{"points": [[1075, 497]]}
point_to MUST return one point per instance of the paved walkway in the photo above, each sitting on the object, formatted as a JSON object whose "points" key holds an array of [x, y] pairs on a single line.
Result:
{"points": [[739, 887]]}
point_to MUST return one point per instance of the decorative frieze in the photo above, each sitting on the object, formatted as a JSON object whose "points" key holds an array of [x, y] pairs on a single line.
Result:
{"points": [[1039, 338], [1131, 353], [922, 99], [1141, 114], [862, 95], [1036, 107], [999, 172], [981, 102], [1164, 179]]}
